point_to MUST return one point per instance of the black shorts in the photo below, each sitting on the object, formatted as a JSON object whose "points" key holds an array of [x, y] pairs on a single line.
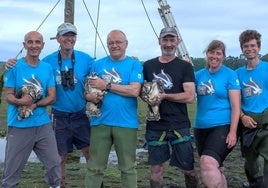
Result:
{"points": [[181, 156], [212, 142], [72, 129]]}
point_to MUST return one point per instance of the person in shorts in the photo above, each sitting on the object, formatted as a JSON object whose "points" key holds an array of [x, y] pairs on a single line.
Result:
{"points": [[70, 121], [172, 130], [217, 114]]}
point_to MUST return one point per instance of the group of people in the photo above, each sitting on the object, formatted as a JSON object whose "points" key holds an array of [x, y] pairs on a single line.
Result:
{"points": [[230, 104]]}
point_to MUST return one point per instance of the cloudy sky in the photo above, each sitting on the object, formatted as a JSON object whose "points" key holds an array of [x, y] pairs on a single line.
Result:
{"points": [[199, 22]]}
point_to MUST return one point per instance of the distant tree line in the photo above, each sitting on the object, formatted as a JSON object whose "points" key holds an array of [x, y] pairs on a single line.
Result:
{"points": [[230, 61], [199, 63]]}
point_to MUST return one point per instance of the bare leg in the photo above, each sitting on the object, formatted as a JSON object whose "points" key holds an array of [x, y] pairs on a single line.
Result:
{"points": [[156, 180], [191, 179], [85, 152], [63, 170], [211, 173]]}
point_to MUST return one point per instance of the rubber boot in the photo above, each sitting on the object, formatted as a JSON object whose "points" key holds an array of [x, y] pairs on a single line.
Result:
{"points": [[191, 181], [258, 183], [254, 182], [156, 184]]}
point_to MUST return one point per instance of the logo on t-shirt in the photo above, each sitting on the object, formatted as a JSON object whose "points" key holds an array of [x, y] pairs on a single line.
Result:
{"points": [[206, 88], [165, 79], [112, 76], [251, 88]]}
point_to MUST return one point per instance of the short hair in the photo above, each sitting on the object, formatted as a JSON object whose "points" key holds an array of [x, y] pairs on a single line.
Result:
{"points": [[216, 44], [248, 35], [117, 30]]}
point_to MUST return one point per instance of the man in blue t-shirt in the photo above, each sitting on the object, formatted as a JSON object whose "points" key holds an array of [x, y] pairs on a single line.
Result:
{"points": [[29, 88], [121, 77], [254, 109], [70, 68]]}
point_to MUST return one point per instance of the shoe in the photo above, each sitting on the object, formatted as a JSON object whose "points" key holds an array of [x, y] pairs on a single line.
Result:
{"points": [[246, 184]]}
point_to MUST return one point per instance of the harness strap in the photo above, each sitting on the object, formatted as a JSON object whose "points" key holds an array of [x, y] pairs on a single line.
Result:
{"points": [[179, 140], [162, 137]]}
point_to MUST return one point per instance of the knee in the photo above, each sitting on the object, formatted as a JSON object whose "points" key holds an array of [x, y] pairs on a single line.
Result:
{"points": [[207, 164], [157, 172]]}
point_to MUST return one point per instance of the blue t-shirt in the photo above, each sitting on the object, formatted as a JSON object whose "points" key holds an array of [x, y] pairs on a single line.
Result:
{"points": [[213, 104], [21, 74], [70, 100], [118, 110], [254, 87]]}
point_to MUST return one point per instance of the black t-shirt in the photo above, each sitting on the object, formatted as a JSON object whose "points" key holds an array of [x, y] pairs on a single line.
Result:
{"points": [[172, 75]]}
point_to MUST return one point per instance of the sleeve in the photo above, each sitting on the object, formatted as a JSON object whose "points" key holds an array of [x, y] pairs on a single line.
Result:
{"points": [[137, 72], [189, 73], [10, 78], [233, 81], [51, 81]]}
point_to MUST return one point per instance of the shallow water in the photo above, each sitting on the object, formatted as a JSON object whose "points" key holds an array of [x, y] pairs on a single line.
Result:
{"points": [[34, 158]]}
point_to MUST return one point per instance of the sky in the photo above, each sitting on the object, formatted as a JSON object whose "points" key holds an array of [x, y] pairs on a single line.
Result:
{"points": [[198, 21]]}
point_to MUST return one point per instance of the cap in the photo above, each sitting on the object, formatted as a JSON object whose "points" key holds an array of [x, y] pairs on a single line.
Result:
{"points": [[168, 31], [65, 28]]}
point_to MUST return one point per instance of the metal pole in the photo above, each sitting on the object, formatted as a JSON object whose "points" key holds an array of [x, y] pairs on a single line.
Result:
{"points": [[69, 11]]}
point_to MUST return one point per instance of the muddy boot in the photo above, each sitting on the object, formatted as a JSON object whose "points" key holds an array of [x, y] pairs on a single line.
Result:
{"points": [[191, 181], [257, 183], [156, 184], [254, 182]]}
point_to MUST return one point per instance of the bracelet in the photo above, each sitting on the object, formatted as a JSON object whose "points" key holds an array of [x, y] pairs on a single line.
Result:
{"points": [[36, 104], [108, 86], [242, 116]]}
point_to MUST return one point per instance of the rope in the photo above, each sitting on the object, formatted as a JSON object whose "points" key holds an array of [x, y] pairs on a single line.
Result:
{"points": [[40, 25], [2, 75], [96, 35], [149, 19], [95, 27]]}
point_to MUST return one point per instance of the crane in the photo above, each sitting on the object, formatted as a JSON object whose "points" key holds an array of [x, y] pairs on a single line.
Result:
{"points": [[169, 21]]}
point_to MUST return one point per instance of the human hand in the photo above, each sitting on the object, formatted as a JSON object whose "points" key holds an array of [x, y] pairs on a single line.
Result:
{"points": [[26, 100], [249, 122], [93, 97], [10, 63], [231, 139], [98, 83]]}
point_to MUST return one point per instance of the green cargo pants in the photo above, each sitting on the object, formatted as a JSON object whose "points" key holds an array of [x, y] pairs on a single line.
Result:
{"points": [[102, 139]]}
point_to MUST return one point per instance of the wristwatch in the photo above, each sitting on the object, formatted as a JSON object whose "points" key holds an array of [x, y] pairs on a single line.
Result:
{"points": [[108, 86]]}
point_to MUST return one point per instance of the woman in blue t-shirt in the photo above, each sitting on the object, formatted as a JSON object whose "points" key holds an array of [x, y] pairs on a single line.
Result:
{"points": [[217, 115]]}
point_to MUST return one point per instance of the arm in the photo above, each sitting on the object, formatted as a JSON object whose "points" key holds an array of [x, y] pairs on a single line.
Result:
{"points": [[50, 98], [131, 90], [10, 63], [11, 99], [187, 96], [235, 98], [247, 121]]}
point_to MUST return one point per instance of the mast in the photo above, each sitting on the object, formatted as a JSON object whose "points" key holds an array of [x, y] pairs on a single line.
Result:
{"points": [[169, 21], [69, 11]]}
